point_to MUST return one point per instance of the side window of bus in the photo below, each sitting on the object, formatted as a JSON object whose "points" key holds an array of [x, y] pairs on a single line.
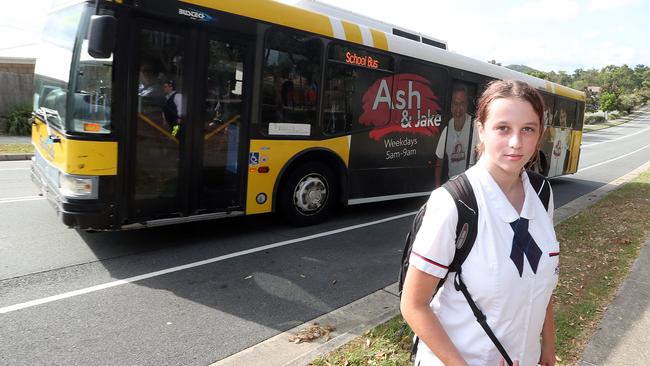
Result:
{"points": [[548, 109], [357, 83], [566, 113], [581, 116], [290, 76]]}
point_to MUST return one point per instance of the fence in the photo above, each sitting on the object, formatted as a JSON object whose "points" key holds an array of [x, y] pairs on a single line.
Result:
{"points": [[16, 88]]}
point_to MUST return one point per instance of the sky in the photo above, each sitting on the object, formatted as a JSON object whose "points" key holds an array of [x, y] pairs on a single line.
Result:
{"points": [[548, 35]]}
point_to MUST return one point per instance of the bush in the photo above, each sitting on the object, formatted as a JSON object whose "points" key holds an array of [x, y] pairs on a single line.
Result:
{"points": [[594, 120], [18, 120], [629, 101]]}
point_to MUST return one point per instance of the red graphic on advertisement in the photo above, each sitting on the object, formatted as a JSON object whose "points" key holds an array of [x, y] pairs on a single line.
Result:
{"points": [[408, 100]]}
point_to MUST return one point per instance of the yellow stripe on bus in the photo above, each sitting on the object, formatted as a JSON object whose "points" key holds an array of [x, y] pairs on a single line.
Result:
{"points": [[77, 157], [275, 154], [352, 32], [273, 12], [564, 91], [570, 93], [574, 152], [379, 39]]}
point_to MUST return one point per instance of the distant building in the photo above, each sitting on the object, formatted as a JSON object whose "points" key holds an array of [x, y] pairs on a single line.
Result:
{"points": [[595, 90]]}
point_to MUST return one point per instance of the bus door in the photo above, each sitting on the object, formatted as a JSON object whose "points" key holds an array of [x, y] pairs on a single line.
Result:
{"points": [[221, 132], [186, 148], [188, 113], [159, 109]]}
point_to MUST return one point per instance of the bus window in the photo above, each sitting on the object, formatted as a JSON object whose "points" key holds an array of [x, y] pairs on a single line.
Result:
{"points": [[160, 110], [290, 76], [566, 113], [222, 113], [548, 109], [581, 116], [351, 73]]}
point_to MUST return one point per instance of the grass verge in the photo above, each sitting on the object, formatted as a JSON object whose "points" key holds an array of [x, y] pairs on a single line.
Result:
{"points": [[599, 246], [16, 149]]}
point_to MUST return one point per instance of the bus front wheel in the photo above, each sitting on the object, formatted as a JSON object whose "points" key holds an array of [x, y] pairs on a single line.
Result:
{"points": [[308, 194]]}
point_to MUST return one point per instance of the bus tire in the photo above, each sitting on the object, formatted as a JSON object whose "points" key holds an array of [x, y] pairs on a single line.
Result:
{"points": [[309, 193]]}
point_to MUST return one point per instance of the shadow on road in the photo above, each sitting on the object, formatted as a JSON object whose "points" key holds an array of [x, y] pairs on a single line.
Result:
{"points": [[275, 289]]}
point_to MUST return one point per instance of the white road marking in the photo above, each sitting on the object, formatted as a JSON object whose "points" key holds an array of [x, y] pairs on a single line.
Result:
{"points": [[28, 304], [4, 170], [616, 139], [21, 199], [613, 159]]}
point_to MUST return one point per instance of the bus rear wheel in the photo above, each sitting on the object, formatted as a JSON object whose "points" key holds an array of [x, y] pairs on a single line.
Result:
{"points": [[309, 194]]}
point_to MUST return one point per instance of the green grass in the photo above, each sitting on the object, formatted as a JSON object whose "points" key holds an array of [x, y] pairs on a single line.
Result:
{"points": [[385, 345], [598, 248], [16, 149]]}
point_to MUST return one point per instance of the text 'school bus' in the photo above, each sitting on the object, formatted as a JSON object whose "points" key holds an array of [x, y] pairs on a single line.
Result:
{"points": [[152, 112]]}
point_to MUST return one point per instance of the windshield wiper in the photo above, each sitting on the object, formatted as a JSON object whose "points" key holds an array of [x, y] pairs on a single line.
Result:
{"points": [[45, 114]]}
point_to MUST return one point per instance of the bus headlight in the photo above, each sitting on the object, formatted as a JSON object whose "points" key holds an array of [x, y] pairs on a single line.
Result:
{"points": [[78, 187]]}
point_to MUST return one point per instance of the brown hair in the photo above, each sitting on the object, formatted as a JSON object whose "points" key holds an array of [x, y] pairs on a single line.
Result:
{"points": [[510, 89]]}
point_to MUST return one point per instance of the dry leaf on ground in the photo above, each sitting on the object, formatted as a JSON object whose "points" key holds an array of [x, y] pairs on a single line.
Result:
{"points": [[312, 332]]}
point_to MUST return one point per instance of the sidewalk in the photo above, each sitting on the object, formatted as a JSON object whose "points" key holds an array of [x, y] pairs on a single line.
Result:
{"points": [[4, 139]]}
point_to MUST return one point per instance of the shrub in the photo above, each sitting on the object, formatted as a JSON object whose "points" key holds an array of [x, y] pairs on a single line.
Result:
{"points": [[593, 120], [18, 120], [629, 101]]}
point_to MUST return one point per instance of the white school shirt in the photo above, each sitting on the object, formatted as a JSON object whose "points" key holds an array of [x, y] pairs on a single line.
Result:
{"points": [[515, 306], [455, 145]]}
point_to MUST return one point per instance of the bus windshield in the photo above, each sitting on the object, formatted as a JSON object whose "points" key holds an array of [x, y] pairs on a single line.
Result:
{"points": [[63, 65]]}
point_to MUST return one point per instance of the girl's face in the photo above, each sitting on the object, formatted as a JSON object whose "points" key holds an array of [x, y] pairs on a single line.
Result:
{"points": [[509, 134]]}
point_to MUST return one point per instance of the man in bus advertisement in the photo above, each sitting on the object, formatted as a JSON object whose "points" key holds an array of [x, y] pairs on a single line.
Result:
{"points": [[454, 151], [560, 145]]}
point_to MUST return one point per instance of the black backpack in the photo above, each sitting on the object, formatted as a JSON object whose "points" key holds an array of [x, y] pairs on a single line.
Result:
{"points": [[461, 191]]}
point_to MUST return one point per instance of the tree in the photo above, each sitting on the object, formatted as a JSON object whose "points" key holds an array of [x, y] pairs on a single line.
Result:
{"points": [[591, 101], [627, 102], [538, 74], [608, 102]]}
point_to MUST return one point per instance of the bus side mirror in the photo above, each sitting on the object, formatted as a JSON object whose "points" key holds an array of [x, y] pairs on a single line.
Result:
{"points": [[101, 35]]}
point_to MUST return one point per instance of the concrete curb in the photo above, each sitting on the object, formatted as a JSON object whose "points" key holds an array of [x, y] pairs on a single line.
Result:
{"points": [[14, 157]]}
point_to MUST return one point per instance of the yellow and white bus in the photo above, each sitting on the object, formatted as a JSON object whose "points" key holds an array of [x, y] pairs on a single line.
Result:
{"points": [[152, 112]]}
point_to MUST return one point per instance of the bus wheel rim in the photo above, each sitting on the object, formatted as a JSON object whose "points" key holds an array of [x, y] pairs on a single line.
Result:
{"points": [[310, 194]]}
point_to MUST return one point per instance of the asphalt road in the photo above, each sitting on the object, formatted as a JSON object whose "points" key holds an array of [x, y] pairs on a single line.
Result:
{"points": [[72, 298]]}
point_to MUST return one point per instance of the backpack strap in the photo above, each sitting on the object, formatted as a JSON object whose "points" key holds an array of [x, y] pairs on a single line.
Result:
{"points": [[480, 317], [462, 192], [542, 187]]}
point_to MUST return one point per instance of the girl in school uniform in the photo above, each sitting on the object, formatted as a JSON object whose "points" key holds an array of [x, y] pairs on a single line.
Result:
{"points": [[514, 292]]}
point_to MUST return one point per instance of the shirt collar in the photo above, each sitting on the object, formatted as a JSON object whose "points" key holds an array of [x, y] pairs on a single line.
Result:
{"points": [[499, 201]]}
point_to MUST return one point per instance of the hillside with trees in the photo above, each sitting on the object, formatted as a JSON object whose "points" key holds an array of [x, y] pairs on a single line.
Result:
{"points": [[611, 88]]}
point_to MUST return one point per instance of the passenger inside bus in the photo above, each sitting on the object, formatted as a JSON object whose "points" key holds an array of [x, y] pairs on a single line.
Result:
{"points": [[172, 108]]}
